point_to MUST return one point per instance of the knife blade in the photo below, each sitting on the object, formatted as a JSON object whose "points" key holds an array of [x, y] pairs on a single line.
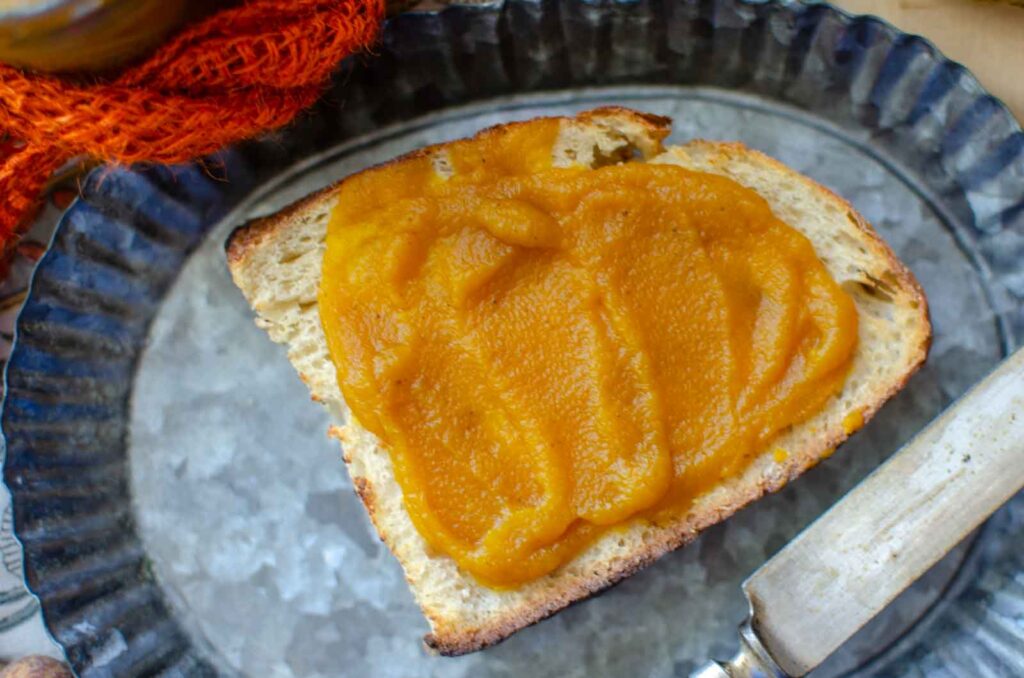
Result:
{"points": [[884, 534]]}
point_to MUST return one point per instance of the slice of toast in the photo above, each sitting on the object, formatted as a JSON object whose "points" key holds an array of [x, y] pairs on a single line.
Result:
{"points": [[276, 263]]}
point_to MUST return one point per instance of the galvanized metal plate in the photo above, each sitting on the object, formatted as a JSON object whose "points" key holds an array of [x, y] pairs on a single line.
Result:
{"points": [[180, 507]]}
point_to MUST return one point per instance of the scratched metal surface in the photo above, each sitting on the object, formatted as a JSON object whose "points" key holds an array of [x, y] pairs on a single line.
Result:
{"points": [[209, 525]]}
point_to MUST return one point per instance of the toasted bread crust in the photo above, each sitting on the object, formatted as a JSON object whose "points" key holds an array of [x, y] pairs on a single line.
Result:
{"points": [[253, 234], [453, 637]]}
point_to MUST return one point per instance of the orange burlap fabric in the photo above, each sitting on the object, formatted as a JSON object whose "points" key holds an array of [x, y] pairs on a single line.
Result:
{"points": [[245, 70]]}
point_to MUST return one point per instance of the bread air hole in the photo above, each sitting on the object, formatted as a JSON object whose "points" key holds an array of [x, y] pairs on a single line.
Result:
{"points": [[289, 257], [872, 300], [875, 288], [615, 156], [442, 165]]}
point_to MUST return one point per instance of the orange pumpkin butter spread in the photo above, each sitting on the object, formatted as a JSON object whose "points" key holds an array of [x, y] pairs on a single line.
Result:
{"points": [[549, 352]]}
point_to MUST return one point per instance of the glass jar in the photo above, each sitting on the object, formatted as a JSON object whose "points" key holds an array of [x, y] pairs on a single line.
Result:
{"points": [[83, 35]]}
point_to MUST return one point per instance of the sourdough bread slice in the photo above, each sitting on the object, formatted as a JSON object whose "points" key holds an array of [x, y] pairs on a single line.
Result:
{"points": [[276, 263]]}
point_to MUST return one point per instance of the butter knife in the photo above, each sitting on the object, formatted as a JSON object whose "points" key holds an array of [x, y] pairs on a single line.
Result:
{"points": [[856, 558]]}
